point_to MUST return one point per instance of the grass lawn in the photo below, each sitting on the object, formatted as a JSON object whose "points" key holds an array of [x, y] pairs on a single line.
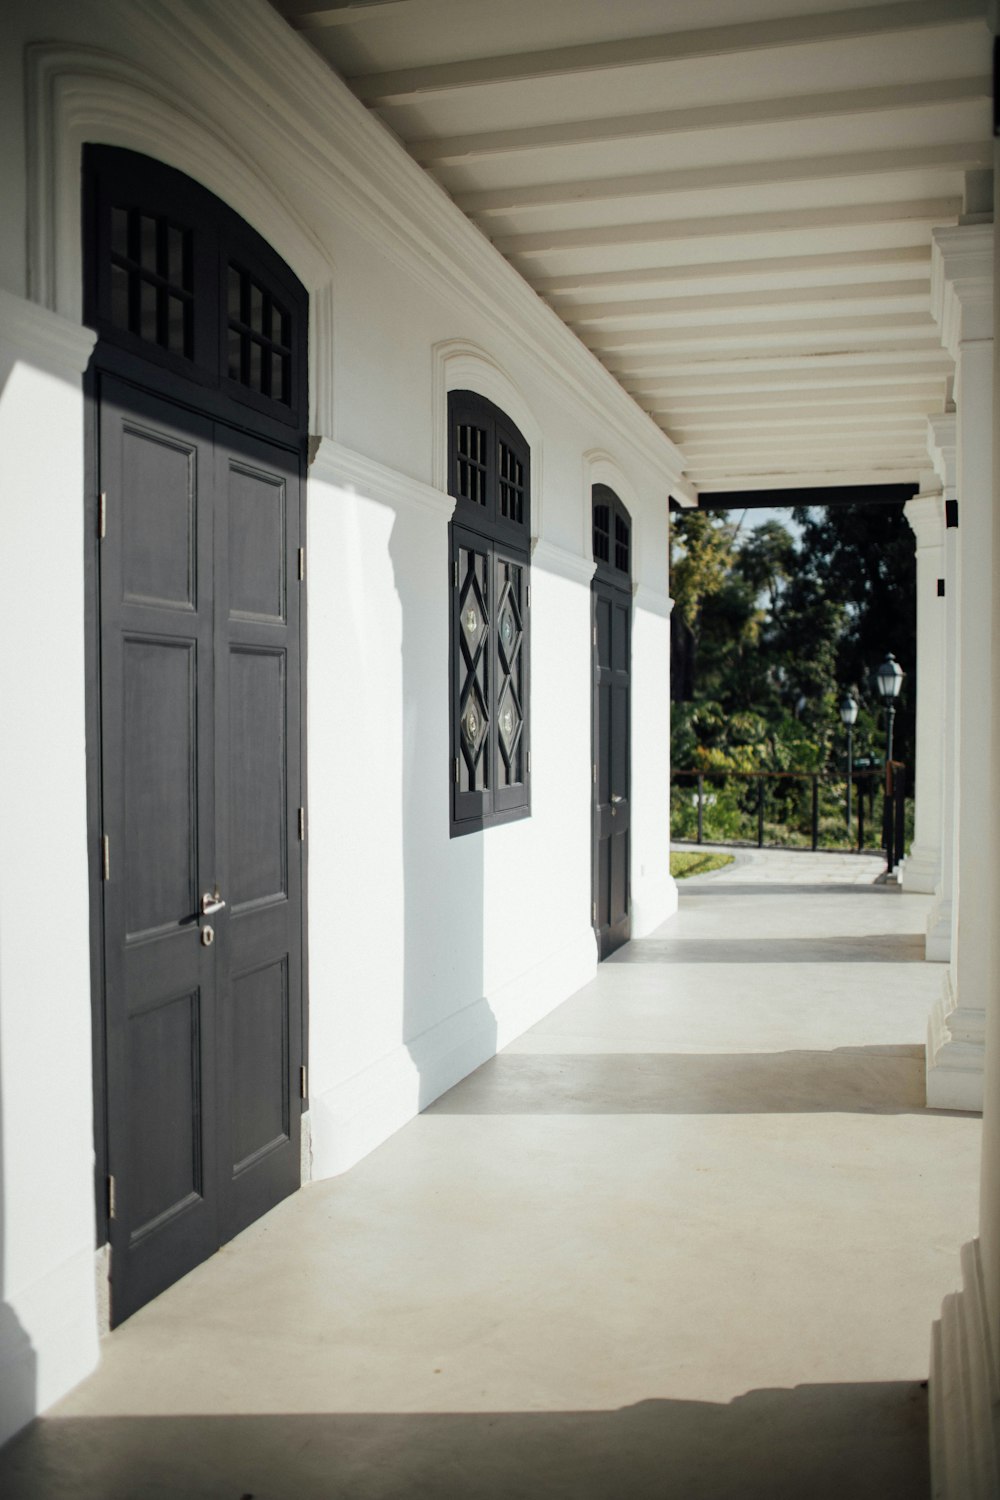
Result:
{"points": [[684, 864]]}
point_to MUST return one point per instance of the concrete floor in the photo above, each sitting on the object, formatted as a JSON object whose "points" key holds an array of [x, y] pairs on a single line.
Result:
{"points": [[686, 1238]]}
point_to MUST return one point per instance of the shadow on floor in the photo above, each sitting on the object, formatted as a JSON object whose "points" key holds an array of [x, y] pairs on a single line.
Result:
{"points": [[813, 1442], [849, 1080], [880, 948], [711, 887]]}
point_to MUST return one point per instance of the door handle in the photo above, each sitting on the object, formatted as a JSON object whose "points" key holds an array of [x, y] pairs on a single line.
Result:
{"points": [[615, 797], [211, 901]]}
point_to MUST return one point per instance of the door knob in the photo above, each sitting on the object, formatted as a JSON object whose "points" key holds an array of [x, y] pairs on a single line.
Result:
{"points": [[211, 901]]}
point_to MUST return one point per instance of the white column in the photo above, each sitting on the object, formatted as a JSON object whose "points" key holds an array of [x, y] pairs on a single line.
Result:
{"points": [[962, 283], [922, 869], [941, 440]]}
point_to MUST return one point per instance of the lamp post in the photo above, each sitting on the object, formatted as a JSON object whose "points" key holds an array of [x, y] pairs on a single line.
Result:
{"points": [[889, 680], [848, 717]]}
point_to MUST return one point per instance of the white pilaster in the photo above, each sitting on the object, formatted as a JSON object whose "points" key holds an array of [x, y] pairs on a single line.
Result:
{"points": [[941, 443], [962, 294], [926, 515]]}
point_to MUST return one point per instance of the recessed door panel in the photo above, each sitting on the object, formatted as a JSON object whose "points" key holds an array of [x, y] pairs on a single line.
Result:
{"points": [[257, 776], [159, 792], [166, 1162], [256, 543], [260, 1109], [160, 475]]}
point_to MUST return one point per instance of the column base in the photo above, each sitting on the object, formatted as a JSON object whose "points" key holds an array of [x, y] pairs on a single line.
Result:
{"points": [[964, 1394], [938, 945], [956, 1048], [922, 870]]}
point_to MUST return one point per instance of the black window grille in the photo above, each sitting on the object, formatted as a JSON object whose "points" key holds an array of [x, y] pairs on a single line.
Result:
{"points": [[489, 478], [611, 521], [151, 280]]}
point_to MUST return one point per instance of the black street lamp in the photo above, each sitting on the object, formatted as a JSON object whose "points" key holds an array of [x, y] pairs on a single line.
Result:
{"points": [[848, 717], [889, 680]]}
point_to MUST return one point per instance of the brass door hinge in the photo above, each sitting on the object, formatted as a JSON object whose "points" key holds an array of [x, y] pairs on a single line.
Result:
{"points": [[102, 515], [105, 858], [302, 564], [112, 1199], [302, 824], [527, 760], [303, 1082], [455, 574], [593, 913], [455, 763]]}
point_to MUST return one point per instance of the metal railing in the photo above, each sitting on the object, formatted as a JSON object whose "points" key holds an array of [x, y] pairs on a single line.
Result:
{"points": [[811, 807]]}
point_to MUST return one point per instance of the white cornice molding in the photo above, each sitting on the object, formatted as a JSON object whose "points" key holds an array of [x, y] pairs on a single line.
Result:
{"points": [[254, 70], [942, 440], [348, 470], [962, 284], [651, 601], [560, 561], [925, 514], [43, 338]]}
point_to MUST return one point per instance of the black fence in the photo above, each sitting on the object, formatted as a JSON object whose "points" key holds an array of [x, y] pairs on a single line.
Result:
{"points": [[793, 809]]}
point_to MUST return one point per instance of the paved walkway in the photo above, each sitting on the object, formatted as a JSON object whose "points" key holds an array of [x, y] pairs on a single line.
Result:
{"points": [[686, 1238]]}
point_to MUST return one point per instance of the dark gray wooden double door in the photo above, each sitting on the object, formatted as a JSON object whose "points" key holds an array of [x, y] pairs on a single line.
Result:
{"points": [[612, 665], [200, 795]]}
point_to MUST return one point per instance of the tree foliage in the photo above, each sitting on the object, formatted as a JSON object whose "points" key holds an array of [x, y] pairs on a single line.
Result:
{"points": [[772, 626]]}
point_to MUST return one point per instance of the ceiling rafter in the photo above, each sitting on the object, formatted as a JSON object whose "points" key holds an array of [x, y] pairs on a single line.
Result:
{"points": [[778, 266], [713, 226], [901, 325], [579, 314], [309, 15], [963, 156], [729, 116], [399, 84]]}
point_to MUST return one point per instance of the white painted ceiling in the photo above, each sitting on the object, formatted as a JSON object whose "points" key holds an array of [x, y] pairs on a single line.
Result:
{"points": [[729, 201]]}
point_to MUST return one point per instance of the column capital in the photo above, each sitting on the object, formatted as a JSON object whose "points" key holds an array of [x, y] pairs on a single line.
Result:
{"points": [[925, 513], [962, 283], [942, 441]]}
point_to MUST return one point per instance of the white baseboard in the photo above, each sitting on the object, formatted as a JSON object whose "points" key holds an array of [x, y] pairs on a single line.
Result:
{"points": [[922, 871], [956, 1050], [964, 1394], [938, 945], [653, 905], [48, 1340], [351, 1119]]}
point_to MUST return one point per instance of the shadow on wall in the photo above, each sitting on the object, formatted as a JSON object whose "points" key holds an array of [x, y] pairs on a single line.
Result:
{"points": [[824, 1442], [448, 1027], [851, 1080], [18, 1361]]}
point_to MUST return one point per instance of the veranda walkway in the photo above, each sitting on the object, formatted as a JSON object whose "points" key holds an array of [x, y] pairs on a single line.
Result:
{"points": [[686, 1238]]}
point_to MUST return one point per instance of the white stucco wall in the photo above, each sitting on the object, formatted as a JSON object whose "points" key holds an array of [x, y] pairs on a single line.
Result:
{"points": [[425, 952]]}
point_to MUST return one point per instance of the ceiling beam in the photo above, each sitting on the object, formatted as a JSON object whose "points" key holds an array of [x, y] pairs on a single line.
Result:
{"points": [[902, 469], [731, 434], [739, 406], [935, 211], [693, 426], [965, 156], [581, 313], [709, 381], [925, 354], [309, 15], [749, 112], [773, 265], [902, 324], [884, 494], [400, 84]]}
